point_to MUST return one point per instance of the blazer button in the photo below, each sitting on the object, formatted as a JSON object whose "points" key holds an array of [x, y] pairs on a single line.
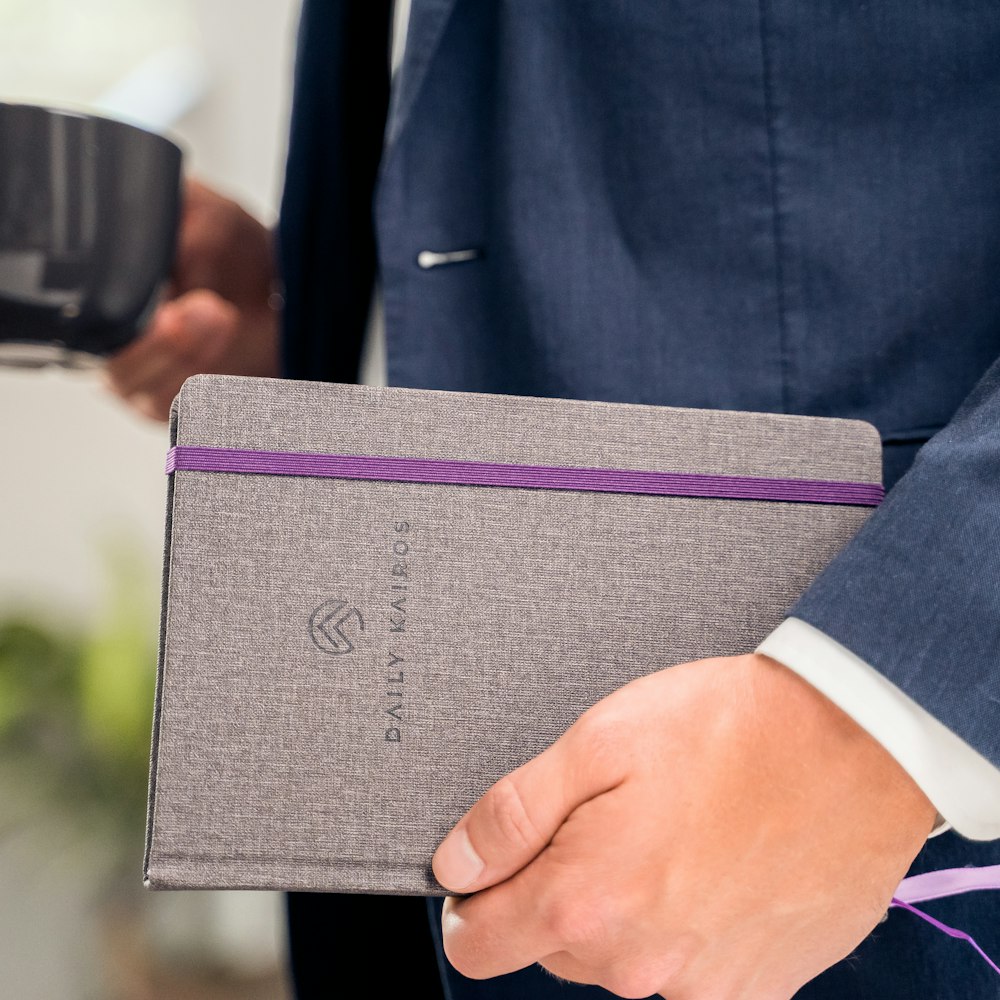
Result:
{"points": [[427, 259]]}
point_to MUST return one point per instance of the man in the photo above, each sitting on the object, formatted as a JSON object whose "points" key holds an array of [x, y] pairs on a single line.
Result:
{"points": [[759, 206]]}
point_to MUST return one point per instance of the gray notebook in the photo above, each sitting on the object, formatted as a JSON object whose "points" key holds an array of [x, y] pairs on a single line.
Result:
{"points": [[349, 657]]}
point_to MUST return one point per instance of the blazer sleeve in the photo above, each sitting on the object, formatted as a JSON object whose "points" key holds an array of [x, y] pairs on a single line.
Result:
{"points": [[916, 593]]}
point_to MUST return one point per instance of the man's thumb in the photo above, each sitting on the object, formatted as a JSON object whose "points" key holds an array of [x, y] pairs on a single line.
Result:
{"points": [[518, 816]]}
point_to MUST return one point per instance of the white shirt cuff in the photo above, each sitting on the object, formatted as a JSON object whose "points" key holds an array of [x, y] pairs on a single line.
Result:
{"points": [[962, 784]]}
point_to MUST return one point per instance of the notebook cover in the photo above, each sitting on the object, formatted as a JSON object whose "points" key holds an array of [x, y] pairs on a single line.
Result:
{"points": [[346, 665]]}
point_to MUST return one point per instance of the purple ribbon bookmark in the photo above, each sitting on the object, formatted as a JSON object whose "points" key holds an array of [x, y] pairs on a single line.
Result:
{"points": [[950, 931], [549, 477], [947, 882]]}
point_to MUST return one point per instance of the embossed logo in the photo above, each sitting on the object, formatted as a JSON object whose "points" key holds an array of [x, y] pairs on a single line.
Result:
{"points": [[326, 626]]}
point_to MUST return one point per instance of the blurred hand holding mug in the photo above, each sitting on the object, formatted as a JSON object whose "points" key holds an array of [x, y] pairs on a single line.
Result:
{"points": [[89, 211], [220, 313]]}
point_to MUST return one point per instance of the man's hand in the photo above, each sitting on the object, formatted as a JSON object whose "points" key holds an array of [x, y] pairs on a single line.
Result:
{"points": [[220, 311], [715, 831]]}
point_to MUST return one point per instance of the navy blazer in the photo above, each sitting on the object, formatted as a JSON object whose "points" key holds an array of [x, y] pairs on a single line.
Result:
{"points": [[786, 207], [766, 205]]}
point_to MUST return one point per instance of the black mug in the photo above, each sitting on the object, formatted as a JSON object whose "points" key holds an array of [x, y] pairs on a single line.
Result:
{"points": [[89, 210]]}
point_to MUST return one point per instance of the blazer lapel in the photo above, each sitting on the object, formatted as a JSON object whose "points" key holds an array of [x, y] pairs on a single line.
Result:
{"points": [[427, 22]]}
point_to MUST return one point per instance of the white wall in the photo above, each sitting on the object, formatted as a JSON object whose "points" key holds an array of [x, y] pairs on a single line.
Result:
{"points": [[236, 138], [76, 467], [74, 463]]}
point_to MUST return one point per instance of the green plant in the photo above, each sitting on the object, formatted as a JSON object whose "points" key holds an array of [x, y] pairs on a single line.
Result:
{"points": [[76, 704]]}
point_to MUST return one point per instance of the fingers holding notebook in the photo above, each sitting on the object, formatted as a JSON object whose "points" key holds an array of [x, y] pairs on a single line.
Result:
{"points": [[710, 847]]}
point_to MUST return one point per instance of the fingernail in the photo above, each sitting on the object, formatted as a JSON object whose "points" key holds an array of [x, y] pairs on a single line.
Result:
{"points": [[456, 863]]}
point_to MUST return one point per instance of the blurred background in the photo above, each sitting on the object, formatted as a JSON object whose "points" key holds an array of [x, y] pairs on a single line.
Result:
{"points": [[81, 521]]}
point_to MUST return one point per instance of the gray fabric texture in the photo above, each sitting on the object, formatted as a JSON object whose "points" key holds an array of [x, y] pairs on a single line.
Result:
{"points": [[288, 755]]}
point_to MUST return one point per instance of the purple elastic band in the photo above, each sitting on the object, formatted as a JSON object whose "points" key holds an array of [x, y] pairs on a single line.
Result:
{"points": [[465, 473]]}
